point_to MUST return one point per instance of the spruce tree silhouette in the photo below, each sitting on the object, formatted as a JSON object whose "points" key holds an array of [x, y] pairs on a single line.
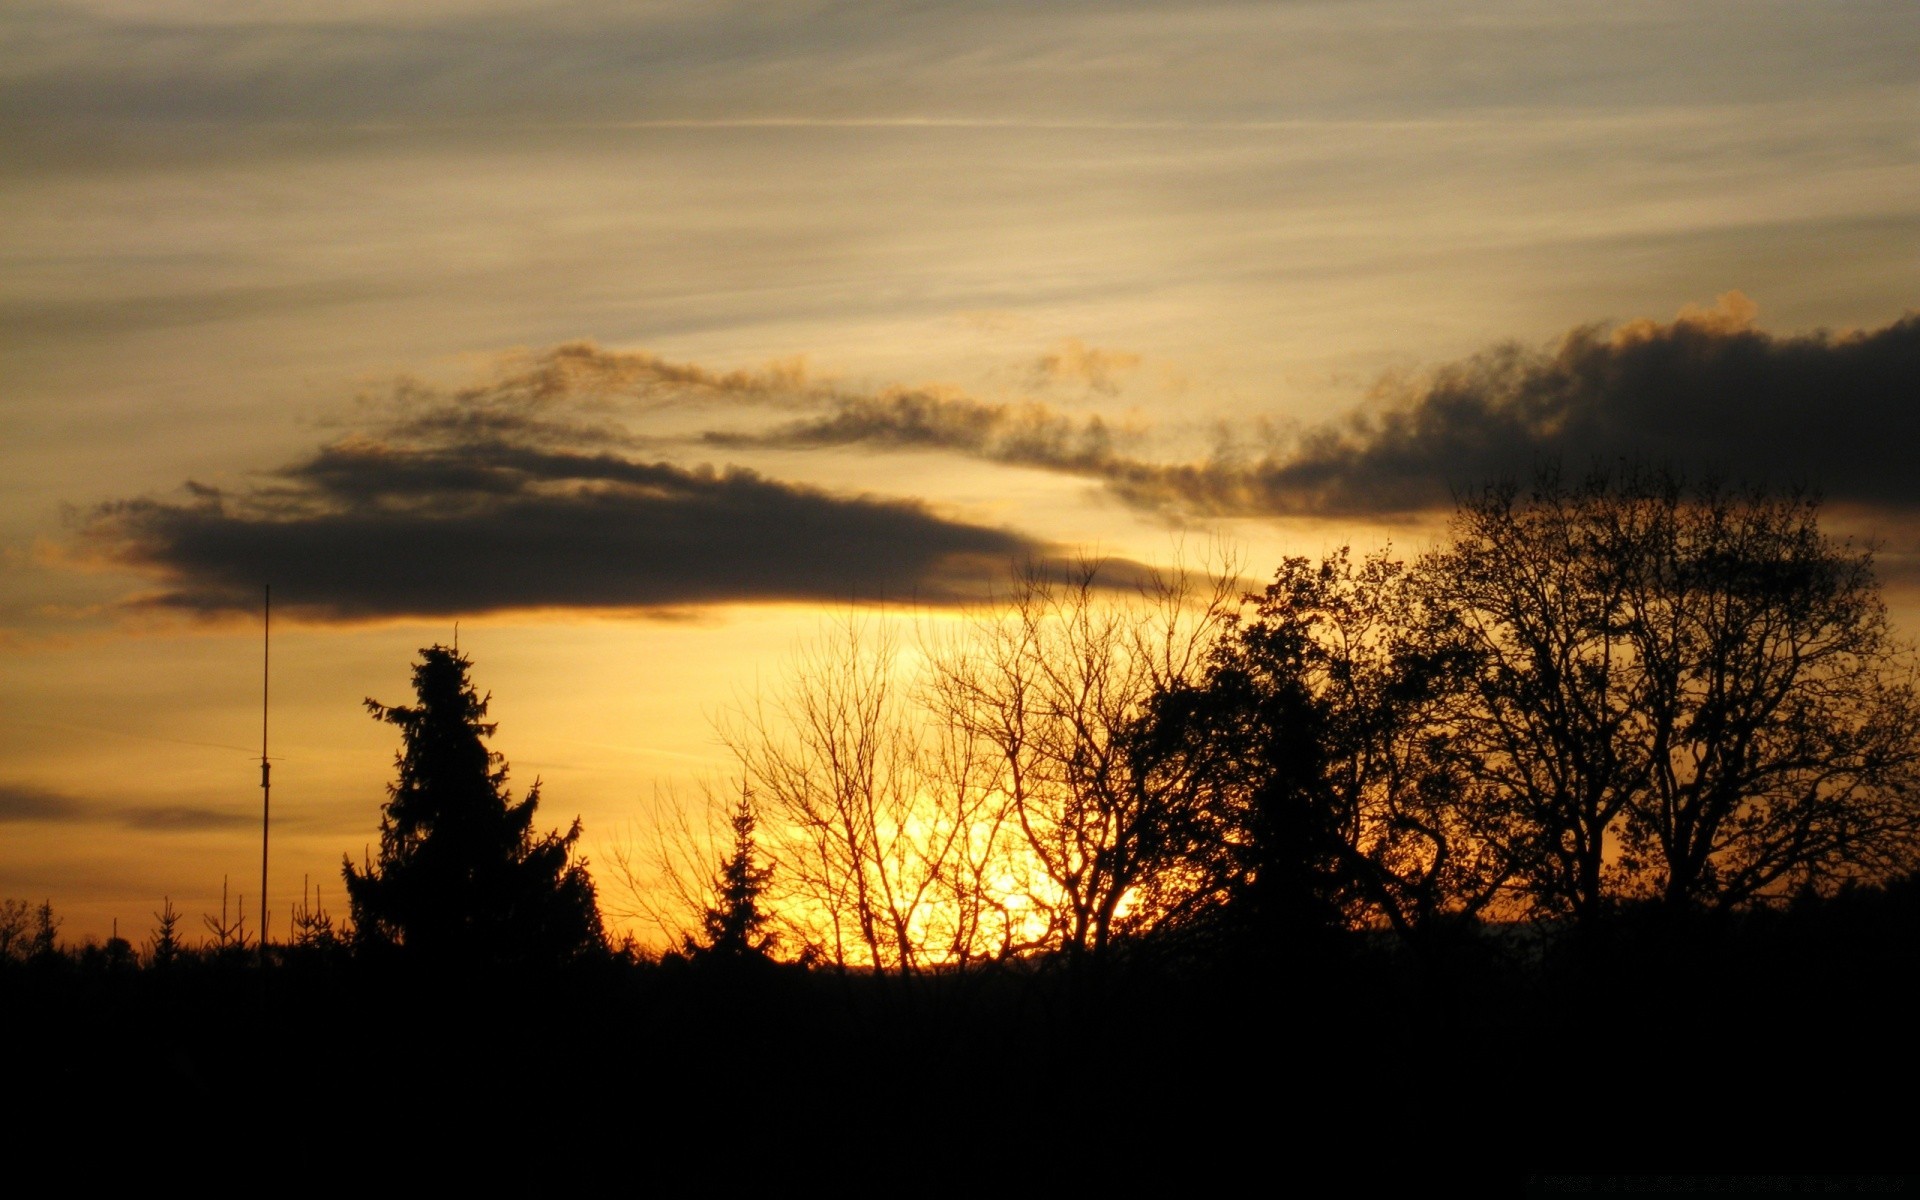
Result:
{"points": [[735, 924], [461, 878]]}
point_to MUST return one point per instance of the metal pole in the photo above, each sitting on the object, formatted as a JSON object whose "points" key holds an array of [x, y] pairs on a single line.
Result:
{"points": [[266, 781]]}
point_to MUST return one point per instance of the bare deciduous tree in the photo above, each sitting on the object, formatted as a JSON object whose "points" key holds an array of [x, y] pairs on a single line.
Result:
{"points": [[987, 791], [662, 869], [1682, 691], [1058, 685], [878, 826], [696, 874]]}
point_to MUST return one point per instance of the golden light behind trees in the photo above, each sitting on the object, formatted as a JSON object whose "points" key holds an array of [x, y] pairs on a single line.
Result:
{"points": [[975, 795], [1619, 690]]}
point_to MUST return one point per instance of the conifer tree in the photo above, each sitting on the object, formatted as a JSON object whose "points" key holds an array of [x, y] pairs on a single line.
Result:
{"points": [[461, 877], [165, 947], [735, 924]]}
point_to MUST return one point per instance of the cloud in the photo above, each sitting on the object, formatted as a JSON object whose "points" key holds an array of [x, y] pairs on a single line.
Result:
{"points": [[541, 486], [946, 60], [1028, 434], [180, 818], [1073, 361], [572, 394], [481, 506], [24, 802], [28, 803], [26, 320], [1707, 392]]}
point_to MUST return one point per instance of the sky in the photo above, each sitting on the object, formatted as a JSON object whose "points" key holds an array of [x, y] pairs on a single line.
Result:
{"points": [[639, 339]]}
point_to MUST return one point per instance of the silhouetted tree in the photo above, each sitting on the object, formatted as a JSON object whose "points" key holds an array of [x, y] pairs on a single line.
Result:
{"points": [[992, 794], [44, 945], [314, 934], [14, 923], [735, 923], [1057, 691], [1312, 731], [229, 935], [461, 877], [1676, 691], [117, 954], [164, 946], [866, 832]]}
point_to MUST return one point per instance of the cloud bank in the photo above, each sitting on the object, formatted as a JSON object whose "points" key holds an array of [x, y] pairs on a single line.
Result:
{"points": [[496, 500], [540, 488], [1706, 392]]}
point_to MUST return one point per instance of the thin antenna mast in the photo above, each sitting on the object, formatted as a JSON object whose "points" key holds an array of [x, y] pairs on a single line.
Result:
{"points": [[266, 769]]}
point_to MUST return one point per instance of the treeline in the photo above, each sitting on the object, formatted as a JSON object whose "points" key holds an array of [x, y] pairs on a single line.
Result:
{"points": [[30, 937], [1526, 852], [1596, 696], [1740, 1041], [1613, 692]]}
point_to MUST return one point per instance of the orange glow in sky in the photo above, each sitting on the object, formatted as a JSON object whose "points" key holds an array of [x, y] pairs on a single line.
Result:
{"points": [[638, 341]]}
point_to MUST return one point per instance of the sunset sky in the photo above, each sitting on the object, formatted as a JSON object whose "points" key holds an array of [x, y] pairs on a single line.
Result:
{"points": [[638, 337]]}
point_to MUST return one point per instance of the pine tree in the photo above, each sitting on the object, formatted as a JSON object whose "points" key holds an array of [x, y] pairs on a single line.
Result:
{"points": [[45, 946], [735, 924], [461, 877], [165, 947]]}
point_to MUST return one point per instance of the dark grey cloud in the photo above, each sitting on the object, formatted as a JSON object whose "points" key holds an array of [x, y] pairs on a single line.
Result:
{"points": [[427, 524], [27, 803], [1707, 392], [532, 490]]}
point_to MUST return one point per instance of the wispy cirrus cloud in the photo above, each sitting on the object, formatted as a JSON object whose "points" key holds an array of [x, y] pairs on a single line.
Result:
{"points": [[25, 803], [950, 60], [573, 394], [1073, 361], [1025, 433]]}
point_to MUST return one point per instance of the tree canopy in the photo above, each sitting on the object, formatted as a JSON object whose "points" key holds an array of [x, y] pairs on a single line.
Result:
{"points": [[461, 876], [1682, 691], [1315, 726], [1623, 688]]}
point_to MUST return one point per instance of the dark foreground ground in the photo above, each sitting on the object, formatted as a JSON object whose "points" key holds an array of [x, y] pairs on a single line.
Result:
{"points": [[1774, 1053]]}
